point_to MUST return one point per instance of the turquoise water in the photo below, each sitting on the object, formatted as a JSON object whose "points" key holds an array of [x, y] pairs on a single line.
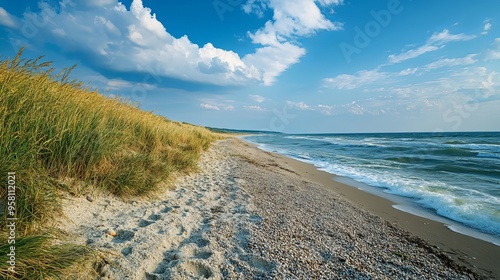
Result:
{"points": [[454, 175]]}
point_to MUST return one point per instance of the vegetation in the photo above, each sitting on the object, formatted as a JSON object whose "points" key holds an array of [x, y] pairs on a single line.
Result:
{"points": [[55, 131]]}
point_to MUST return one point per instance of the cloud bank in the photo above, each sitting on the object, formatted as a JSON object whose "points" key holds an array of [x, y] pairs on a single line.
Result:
{"points": [[133, 40]]}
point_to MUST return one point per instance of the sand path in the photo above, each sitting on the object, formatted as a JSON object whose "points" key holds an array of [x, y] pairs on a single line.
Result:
{"points": [[199, 230]]}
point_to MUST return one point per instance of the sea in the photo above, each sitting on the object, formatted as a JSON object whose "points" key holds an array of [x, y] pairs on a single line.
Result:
{"points": [[453, 178]]}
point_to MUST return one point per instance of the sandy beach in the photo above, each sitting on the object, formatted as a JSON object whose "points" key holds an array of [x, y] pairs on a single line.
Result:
{"points": [[250, 214]]}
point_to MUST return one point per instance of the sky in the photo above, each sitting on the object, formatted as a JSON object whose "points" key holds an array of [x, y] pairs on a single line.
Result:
{"points": [[302, 66]]}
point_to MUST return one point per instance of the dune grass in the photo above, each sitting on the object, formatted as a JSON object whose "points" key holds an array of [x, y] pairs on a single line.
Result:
{"points": [[54, 129]]}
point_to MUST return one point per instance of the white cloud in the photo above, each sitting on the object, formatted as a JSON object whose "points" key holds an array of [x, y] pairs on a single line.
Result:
{"points": [[397, 58], [355, 108], [257, 98], [449, 62], [487, 27], [7, 19], [117, 84], [465, 87], [254, 108], [302, 106], [325, 109], [299, 106], [133, 40], [408, 71], [494, 53], [435, 42], [273, 60], [115, 38], [436, 91], [209, 107], [229, 108], [444, 37], [99, 3], [290, 19], [475, 78], [361, 78]]}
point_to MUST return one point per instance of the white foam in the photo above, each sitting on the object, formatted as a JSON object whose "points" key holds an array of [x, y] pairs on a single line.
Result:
{"points": [[467, 207], [450, 224], [471, 208]]}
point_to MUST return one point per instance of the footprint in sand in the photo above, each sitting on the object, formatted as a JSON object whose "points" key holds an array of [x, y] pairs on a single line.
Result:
{"points": [[240, 209], [201, 254], [196, 269], [256, 219], [144, 223], [123, 236], [242, 238], [167, 209], [154, 217], [126, 251], [154, 275], [150, 220], [258, 263], [202, 242]]}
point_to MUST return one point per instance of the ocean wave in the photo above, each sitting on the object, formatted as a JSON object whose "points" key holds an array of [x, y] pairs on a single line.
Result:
{"points": [[457, 178], [469, 207], [488, 155]]}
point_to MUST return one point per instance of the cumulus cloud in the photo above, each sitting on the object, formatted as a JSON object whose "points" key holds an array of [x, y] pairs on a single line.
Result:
{"points": [[114, 37], [133, 40], [290, 19], [435, 42]]}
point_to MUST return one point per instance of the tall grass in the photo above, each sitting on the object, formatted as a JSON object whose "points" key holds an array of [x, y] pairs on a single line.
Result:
{"points": [[38, 258], [53, 129]]}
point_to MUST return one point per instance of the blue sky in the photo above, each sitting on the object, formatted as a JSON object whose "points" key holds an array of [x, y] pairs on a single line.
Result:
{"points": [[292, 66]]}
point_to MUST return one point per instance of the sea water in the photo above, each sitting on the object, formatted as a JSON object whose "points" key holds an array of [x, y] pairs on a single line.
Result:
{"points": [[452, 175]]}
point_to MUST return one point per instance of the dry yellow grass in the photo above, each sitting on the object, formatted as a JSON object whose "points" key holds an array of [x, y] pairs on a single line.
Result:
{"points": [[53, 128]]}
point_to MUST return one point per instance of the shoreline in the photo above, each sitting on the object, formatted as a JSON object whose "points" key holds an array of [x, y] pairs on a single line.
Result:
{"points": [[251, 214], [404, 205], [462, 248]]}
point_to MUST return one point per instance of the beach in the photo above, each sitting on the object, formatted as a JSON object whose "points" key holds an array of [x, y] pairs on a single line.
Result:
{"points": [[251, 214]]}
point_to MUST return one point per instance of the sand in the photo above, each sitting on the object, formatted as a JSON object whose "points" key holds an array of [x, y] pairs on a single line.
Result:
{"points": [[249, 214]]}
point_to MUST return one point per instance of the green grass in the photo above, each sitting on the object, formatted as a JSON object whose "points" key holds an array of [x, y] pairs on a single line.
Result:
{"points": [[38, 258], [53, 129]]}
